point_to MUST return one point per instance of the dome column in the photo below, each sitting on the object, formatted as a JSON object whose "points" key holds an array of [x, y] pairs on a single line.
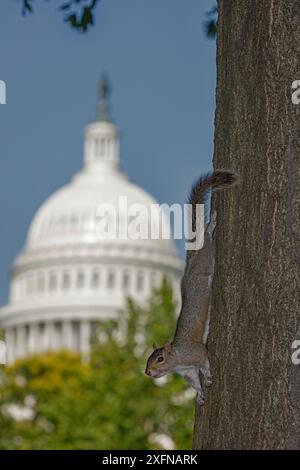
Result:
{"points": [[9, 339]]}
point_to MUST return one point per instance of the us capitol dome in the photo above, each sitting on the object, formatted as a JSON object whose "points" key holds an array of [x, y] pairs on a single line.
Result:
{"points": [[73, 273]]}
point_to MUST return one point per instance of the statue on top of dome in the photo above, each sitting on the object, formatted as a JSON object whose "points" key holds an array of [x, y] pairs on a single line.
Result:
{"points": [[103, 105], [104, 87]]}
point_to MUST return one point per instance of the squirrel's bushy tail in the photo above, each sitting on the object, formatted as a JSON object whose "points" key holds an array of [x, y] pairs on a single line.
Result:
{"points": [[219, 179]]}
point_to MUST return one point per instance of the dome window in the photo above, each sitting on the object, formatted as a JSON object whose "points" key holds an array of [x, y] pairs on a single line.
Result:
{"points": [[30, 285], [62, 222], [126, 280], [57, 334], [140, 282], [95, 280], [27, 330], [52, 282], [41, 283], [97, 148], [102, 148], [41, 333], [80, 280], [74, 222], [51, 225], [111, 280], [66, 281], [153, 281]]}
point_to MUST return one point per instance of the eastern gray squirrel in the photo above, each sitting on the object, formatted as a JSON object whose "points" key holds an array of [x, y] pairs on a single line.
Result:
{"points": [[187, 354]]}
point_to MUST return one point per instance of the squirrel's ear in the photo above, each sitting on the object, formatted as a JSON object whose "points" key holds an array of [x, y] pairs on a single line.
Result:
{"points": [[168, 346], [154, 346]]}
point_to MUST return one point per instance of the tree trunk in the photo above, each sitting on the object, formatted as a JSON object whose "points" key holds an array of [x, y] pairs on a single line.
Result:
{"points": [[254, 401]]}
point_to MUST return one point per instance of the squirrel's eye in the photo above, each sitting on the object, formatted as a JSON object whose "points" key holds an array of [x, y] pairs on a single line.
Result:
{"points": [[160, 359]]}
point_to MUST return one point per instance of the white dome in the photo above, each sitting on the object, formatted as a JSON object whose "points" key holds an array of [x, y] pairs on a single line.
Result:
{"points": [[72, 214]]}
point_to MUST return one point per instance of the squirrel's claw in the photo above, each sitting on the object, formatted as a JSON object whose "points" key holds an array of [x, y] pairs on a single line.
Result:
{"points": [[200, 399], [208, 382]]}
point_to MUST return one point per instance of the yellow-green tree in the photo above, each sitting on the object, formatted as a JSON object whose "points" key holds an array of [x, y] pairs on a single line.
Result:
{"points": [[107, 403]]}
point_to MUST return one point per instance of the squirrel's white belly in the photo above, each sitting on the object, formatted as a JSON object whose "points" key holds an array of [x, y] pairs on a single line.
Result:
{"points": [[182, 370]]}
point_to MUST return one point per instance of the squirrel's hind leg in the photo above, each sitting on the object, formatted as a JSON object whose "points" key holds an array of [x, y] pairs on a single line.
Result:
{"points": [[205, 370]]}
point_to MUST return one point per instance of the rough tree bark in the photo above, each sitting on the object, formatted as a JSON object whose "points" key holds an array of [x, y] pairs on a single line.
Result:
{"points": [[254, 401]]}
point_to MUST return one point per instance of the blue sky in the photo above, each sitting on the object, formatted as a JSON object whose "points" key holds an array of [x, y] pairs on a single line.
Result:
{"points": [[162, 68]]}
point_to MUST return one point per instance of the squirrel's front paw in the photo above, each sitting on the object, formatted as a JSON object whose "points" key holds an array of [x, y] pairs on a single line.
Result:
{"points": [[200, 399]]}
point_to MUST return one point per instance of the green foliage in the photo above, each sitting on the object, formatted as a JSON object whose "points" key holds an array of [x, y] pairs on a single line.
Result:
{"points": [[80, 14], [106, 403], [210, 25]]}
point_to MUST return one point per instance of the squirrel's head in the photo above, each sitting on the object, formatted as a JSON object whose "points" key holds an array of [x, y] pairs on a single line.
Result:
{"points": [[160, 362]]}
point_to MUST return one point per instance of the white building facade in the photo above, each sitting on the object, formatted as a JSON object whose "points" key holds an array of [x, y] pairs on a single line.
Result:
{"points": [[72, 273]]}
